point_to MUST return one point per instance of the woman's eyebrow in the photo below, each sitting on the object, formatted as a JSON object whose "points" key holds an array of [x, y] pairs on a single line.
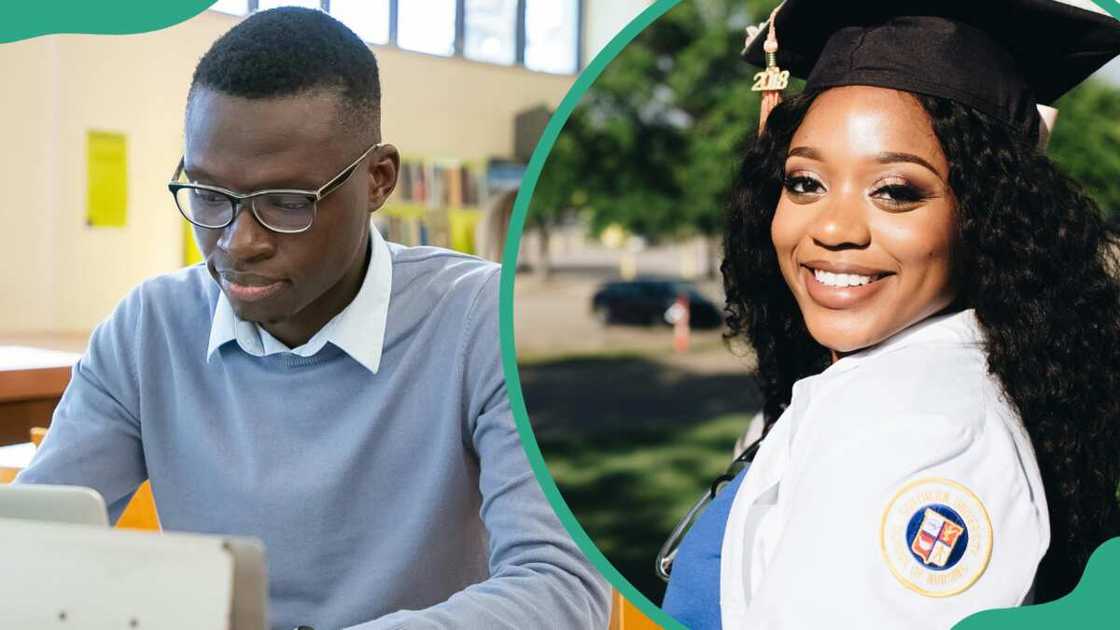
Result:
{"points": [[890, 157], [805, 152], [886, 157]]}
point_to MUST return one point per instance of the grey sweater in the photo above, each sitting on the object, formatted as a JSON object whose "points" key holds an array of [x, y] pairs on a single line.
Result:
{"points": [[400, 499]]}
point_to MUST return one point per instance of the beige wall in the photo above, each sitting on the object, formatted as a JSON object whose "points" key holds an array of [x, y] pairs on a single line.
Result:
{"points": [[58, 274]]}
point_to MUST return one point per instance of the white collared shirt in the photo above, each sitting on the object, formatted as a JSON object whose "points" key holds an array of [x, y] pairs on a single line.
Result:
{"points": [[899, 489], [358, 330]]}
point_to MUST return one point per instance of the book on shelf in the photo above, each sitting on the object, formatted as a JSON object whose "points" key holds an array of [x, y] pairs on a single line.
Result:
{"points": [[440, 184]]}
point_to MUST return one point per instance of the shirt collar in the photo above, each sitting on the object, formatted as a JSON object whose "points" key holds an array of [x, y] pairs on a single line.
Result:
{"points": [[358, 330], [961, 328]]}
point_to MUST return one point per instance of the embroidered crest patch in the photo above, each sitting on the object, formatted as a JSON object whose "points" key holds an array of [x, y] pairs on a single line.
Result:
{"points": [[936, 537]]}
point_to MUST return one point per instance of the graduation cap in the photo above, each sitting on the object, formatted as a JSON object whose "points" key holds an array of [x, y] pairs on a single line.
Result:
{"points": [[1001, 57]]}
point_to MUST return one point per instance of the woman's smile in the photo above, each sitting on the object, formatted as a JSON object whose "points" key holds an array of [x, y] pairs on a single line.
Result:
{"points": [[840, 286]]}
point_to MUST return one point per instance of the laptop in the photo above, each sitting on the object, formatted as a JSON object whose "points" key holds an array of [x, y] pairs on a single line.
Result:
{"points": [[57, 504], [101, 578]]}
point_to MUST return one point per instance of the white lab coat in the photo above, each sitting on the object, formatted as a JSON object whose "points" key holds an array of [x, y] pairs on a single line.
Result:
{"points": [[826, 528]]}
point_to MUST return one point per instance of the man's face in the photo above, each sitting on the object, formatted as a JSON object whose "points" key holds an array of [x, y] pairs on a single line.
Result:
{"points": [[291, 283]]}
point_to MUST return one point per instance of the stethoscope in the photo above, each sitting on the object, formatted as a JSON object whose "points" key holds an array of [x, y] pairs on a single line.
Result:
{"points": [[668, 551]]}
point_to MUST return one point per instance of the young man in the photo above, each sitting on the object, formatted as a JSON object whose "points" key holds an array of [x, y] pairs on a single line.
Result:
{"points": [[337, 396]]}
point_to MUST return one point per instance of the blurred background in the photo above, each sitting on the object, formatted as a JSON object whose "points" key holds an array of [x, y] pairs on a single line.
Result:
{"points": [[636, 414], [93, 128]]}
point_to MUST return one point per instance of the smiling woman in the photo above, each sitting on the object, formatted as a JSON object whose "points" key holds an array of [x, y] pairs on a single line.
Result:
{"points": [[864, 232], [936, 318]]}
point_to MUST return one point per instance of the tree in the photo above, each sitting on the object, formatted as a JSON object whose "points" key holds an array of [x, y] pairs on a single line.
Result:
{"points": [[1086, 141], [654, 144]]}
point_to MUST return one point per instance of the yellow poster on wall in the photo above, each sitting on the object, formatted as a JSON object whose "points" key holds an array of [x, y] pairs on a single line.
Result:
{"points": [[107, 179], [191, 255], [462, 223]]}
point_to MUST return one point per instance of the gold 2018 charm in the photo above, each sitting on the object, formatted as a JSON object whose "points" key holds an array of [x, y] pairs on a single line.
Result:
{"points": [[770, 79]]}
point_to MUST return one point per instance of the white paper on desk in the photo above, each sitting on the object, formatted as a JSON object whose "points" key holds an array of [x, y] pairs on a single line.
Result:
{"points": [[17, 455], [101, 579], [25, 358]]}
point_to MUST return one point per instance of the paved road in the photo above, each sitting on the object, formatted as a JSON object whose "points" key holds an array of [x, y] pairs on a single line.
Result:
{"points": [[553, 318]]}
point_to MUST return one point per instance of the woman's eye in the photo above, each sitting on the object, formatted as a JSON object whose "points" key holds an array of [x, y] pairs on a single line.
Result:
{"points": [[803, 185], [899, 194]]}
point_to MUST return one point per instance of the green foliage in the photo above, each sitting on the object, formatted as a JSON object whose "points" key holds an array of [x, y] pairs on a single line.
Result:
{"points": [[1086, 141], [655, 142]]}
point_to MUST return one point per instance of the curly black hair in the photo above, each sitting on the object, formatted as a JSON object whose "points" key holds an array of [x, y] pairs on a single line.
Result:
{"points": [[292, 50], [1036, 261]]}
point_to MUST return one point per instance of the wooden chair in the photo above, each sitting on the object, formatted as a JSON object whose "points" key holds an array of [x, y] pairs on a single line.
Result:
{"points": [[626, 616]]}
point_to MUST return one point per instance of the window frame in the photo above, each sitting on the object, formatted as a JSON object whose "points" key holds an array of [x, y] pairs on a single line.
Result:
{"points": [[459, 43]]}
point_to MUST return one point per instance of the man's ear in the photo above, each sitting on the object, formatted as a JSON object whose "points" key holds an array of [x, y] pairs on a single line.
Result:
{"points": [[384, 168]]}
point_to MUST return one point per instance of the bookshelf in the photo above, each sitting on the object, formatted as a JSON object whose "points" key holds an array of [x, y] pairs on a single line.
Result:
{"points": [[437, 202]]}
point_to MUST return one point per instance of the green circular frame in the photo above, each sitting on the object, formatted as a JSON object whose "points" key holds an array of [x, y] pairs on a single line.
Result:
{"points": [[1092, 601], [1110, 551]]}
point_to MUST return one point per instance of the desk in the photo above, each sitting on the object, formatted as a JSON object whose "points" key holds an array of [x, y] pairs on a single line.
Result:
{"points": [[13, 459], [31, 382]]}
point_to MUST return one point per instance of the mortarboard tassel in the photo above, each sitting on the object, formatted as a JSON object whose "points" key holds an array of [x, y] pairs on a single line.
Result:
{"points": [[1048, 116], [773, 79]]}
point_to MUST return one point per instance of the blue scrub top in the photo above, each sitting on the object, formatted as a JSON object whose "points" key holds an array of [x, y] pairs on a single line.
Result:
{"points": [[693, 594]]}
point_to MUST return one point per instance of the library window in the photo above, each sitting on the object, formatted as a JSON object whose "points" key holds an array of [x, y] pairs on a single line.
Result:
{"points": [[541, 35], [427, 26], [491, 30], [550, 35], [232, 7], [272, 4], [368, 18]]}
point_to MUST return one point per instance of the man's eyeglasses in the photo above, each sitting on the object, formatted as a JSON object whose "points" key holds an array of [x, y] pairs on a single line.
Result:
{"points": [[283, 210], [668, 551]]}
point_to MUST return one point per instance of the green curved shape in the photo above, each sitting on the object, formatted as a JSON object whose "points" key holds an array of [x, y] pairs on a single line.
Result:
{"points": [[1105, 566], [23, 20], [509, 349], [1112, 6], [1092, 604]]}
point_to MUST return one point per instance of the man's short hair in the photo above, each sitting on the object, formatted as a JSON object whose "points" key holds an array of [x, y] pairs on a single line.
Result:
{"points": [[290, 51]]}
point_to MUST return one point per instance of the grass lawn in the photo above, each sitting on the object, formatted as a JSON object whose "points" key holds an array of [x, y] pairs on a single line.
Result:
{"points": [[628, 489]]}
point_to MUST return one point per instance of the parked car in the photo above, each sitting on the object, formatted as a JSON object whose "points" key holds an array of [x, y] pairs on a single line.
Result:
{"points": [[650, 301]]}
